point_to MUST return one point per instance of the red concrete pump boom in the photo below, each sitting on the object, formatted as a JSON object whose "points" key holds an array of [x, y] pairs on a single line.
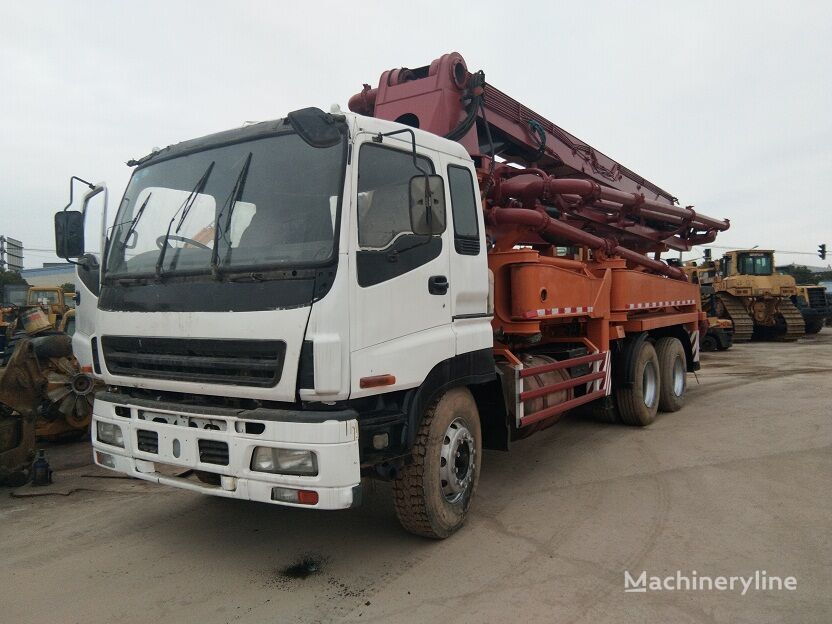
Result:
{"points": [[540, 184]]}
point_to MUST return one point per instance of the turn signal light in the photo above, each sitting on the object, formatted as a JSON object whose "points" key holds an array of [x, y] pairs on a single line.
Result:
{"points": [[291, 495], [377, 380]]}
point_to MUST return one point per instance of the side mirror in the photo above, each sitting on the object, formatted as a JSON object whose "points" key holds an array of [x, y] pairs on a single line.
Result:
{"points": [[69, 234], [427, 205]]}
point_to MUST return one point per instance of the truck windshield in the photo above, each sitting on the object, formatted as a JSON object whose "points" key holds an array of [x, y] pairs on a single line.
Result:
{"points": [[266, 202], [755, 264]]}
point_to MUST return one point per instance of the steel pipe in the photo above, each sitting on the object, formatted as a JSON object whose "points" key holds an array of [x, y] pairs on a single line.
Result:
{"points": [[530, 189], [545, 225]]}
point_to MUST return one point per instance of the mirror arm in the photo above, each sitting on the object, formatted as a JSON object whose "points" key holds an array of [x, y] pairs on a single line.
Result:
{"points": [[428, 197], [71, 186]]}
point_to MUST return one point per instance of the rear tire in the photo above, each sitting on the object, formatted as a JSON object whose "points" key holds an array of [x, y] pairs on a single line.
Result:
{"points": [[434, 491], [709, 343], [637, 406], [673, 371]]}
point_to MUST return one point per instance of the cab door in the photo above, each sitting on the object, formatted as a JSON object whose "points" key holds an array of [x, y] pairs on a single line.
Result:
{"points": [[469, 265], [401, 292]]}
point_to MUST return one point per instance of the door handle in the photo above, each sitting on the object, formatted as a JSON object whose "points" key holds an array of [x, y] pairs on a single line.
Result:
{"points": [[438, 285]]}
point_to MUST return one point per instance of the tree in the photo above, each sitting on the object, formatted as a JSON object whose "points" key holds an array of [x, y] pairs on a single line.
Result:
{"points": [[801, 274], [10, 278], [68, 287]]}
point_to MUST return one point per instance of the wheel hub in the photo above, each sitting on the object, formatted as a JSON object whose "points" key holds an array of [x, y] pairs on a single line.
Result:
{"points": [[649, 384], [456, 461], [678, 377]]}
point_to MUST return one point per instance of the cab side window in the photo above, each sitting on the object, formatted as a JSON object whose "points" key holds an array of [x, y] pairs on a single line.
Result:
{"points": [[388, 246], [465, 208]]}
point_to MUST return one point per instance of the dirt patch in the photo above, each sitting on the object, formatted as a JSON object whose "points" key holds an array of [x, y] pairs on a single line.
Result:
{"points": [[306, 566]]}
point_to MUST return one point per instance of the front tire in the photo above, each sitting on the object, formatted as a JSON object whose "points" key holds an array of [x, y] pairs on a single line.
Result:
{"points": [[434, 491]]}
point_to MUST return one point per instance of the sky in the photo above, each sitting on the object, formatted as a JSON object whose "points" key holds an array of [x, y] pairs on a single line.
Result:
{"points": [[727, 105]]}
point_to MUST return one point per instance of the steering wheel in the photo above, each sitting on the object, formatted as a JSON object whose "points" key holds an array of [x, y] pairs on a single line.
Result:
{"points": [[160, 242]]}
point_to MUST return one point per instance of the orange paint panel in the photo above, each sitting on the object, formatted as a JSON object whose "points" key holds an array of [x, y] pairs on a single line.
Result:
{"points": [[637, 290], [542, 287], [655, 321]]}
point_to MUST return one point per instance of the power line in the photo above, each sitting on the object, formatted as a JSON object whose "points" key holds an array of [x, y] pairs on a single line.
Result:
{"points": [[782, 251]]}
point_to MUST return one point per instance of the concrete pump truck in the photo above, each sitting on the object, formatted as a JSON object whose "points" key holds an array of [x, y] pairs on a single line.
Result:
{"points": [[286, 308]]}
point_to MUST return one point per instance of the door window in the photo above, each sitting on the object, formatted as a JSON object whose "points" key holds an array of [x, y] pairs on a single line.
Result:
{"points": [[388, 245]]}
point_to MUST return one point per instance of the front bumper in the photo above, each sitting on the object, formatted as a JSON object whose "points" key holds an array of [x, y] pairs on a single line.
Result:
{"points": [[181, 431]]}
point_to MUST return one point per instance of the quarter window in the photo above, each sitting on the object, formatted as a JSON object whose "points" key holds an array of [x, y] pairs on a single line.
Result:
{"points": [[465, 208]]}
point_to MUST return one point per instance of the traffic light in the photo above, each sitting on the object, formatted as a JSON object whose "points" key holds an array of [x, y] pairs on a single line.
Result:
{"points": [[822, 251]]}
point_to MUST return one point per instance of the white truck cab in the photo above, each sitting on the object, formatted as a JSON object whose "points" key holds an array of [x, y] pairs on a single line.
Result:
{"points": [[279, 304]]}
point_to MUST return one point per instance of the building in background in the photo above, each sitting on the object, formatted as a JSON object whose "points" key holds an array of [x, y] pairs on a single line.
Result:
{"points": [[51, 274], [11, 254]]}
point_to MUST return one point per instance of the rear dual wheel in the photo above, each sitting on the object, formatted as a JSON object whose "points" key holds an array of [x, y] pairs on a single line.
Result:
{"points": [[659, 375]]}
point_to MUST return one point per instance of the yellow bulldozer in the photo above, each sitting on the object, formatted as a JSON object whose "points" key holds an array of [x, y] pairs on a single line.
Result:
{"points": [[758, 300], [720, 334], [813, 304]]}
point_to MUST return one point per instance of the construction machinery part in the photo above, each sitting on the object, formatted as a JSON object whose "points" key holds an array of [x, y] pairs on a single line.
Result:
{"points": [[789, 322], [541, 164], [43, 380], [733, 309]]}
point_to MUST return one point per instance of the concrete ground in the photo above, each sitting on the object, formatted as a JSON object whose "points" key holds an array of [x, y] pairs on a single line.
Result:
{"points": [[738, 481]]}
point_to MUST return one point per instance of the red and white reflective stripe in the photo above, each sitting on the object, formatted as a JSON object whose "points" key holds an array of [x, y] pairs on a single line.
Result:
{"points": [[660, 304], [605, 383], [608, 378], [694, 344], [558, 311]]}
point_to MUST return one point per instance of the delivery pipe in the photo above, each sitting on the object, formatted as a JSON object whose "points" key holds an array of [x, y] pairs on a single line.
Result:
{"points": [[545, 225], [529, 189]]}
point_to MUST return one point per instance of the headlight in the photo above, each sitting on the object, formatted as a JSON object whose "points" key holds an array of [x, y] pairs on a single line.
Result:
{"points": [[284, 461], [109, 433]]}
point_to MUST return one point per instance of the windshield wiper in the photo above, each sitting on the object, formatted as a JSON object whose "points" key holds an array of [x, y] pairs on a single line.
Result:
{"points": [[184, 208], [230, 203], [135, 221]]}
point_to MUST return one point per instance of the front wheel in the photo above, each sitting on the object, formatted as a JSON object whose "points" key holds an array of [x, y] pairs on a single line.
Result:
{"points": [[434, 491]]}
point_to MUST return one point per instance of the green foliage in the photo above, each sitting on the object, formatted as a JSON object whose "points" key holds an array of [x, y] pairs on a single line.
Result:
{"points": [[801, 274], [68, 287], [10, 278]]}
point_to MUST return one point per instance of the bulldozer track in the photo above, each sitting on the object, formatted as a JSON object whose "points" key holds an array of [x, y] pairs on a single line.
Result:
{"points": [[736, 311], [795, 325]]}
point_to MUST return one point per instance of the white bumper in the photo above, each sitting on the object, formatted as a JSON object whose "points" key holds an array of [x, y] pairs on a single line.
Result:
{"points": [[335, 443]]}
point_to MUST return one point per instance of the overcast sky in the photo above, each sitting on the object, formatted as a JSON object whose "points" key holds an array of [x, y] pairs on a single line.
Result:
{"points": [[728, 105]]}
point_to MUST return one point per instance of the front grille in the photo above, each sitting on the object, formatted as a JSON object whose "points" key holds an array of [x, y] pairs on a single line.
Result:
{"points": [[235, 362], [213, 452], [817, 297], [148, 441]]}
